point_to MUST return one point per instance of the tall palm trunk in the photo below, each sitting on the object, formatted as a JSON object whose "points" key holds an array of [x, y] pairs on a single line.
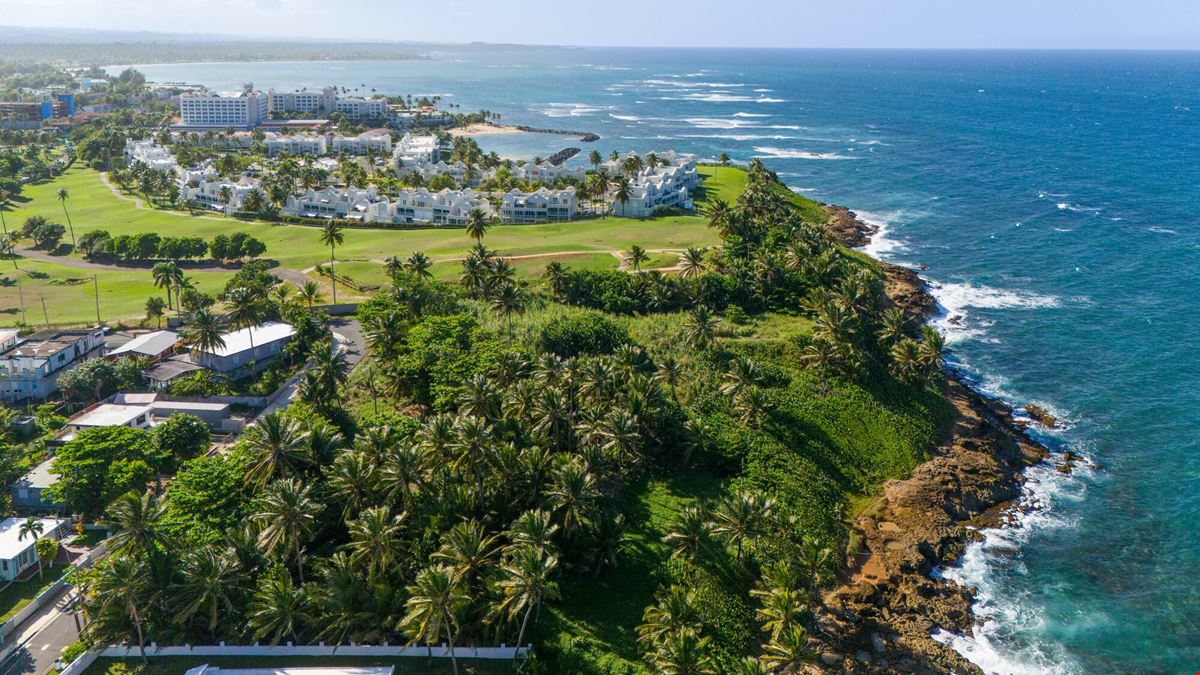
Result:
{"points": [[137, 623], [450, 639], [332, 275], [521, 633], [299, 561]]}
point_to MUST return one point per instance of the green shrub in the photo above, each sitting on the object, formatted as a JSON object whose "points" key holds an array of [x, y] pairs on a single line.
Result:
{"points": [[569, 336]]}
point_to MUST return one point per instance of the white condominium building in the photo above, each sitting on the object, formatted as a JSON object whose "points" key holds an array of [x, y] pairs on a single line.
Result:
{"points": [[377, 140], [300, 144], [357, 109], [414, 151], [349, 204], [547, 172], [448, 207], [668, 185], [210, 194], [542, 206], [240, 111], [149, 153]]}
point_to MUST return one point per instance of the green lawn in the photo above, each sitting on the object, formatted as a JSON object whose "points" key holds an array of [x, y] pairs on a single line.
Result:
{"points": [[123, 293], [20, 593], [177, 665]]}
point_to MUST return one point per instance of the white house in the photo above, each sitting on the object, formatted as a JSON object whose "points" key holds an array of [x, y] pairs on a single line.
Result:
{"points": [[29, 369], [247, 349], [547, 172], [210, 109], [542, 206], [107, 415], [17, 554], [667, 185]]}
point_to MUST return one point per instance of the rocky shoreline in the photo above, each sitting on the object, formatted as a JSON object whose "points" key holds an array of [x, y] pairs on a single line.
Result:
{"points": [[880, 618]]}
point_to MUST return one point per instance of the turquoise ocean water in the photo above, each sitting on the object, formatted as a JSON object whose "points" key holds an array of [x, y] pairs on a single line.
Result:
{"points": [[1054, 198]]}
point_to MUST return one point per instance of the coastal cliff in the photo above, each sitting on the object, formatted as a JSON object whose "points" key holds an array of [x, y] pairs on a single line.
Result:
{"points": [[881, 617]]}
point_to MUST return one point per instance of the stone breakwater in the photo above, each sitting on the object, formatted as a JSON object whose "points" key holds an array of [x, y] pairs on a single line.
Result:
{"points": [[892, 598]]}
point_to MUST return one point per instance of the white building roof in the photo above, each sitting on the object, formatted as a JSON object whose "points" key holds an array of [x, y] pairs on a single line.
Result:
{"points": [[41, 476], [109, 415], [10, 530], [314, 670], [239, 341], [148, 344]]}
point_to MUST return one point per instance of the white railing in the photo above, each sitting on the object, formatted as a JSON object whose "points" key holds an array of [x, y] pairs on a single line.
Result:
{"points": [[441, 651]]}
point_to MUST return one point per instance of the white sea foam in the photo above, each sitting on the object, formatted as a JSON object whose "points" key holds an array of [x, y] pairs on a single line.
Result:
{"points": [[955, 300], [688, 84], [999, 612], [883, 246], [742, 137], [625, 118], [746, 114], [572, 109], [718, 123], [767, 99], [783, 153], [1162, 230]]}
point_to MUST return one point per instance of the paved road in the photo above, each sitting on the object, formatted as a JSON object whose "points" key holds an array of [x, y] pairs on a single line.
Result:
{"points": [[42, 637]]}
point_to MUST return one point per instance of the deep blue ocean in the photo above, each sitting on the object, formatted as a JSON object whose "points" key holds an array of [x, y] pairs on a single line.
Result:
{"points": [[1054, 197]]}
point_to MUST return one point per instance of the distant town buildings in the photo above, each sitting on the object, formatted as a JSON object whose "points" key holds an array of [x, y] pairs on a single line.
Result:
{"points": [[325, 102]]}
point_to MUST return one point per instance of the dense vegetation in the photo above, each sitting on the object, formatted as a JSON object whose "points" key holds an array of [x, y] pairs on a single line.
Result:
{"points": [[636, 472]]}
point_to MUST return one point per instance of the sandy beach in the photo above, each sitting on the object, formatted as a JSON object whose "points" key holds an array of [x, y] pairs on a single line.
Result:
{"points": [[484, 130]]}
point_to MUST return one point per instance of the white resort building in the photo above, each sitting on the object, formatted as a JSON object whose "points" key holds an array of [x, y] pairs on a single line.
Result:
{"points": [[349, 204], [297, 144], [448, 207], [212, 110], [211, 194], [375, 140], [668, 185], [325, 102]]}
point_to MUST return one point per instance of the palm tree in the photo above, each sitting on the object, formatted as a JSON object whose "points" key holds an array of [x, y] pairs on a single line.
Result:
{"points": [[534, 529], [691, 262], [684, 653], [246, 310], [741, 517], [331, 236], [287, 515], [623, 193], [906, 360], [468, 551], [752, 405], [508, 300], [419, 265], [278, 446], [932, 345], [476, 224], [204, 333], [788, 650], [556, 276], [781, 609], [375, 543], [525, 582], [212, 584], [891, 326], [689, 532], [165, 275], [310, 293], [135, 520], [122, 584], [723, 158], [32, 527], [700, 331], [635, 256], [594, 159], [280, 608], [434, 599], [742, 374], [673, 611], [62, 198]]}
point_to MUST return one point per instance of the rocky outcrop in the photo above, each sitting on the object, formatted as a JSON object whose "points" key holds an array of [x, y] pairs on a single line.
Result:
{"points": [[881, 617], [847, 227]]}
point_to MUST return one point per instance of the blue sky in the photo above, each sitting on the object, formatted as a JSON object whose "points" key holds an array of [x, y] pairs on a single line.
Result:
{"points": [[1116, 24]]}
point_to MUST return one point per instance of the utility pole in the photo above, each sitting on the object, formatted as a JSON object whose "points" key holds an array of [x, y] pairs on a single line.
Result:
{"points": [[45, 314], [21, 295], [96, 283]]}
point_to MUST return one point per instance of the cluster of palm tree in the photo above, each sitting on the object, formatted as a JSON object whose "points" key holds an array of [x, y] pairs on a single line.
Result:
{"points": [[491, 278], [153, 185]]}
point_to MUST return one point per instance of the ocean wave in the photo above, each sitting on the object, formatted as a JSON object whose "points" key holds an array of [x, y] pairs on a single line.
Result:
{"points": [[689, 84], [718, 123], [625, 118], [783, 153], [882, 245], [998, 611], [766, 99], [1077, 208], [572, 109], [746, 114], [720, 98], [956, 299], [743, 137], [1162, 230]]}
